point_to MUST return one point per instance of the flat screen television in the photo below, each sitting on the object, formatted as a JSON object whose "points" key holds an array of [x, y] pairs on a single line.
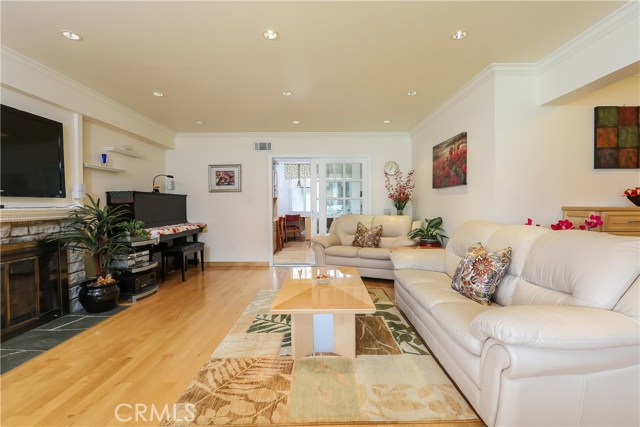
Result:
{"points": [[31, 155]]}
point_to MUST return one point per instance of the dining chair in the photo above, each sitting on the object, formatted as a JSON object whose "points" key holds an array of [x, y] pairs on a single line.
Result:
{"points": [[292, 225]]}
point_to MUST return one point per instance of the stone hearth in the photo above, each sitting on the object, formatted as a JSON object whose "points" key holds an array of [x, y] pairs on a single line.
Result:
{"points": [[29, 230]]}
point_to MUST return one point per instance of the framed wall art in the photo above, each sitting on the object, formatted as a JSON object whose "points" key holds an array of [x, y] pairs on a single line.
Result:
{"points": [[450, 162], [616, 138], [224, 178]]}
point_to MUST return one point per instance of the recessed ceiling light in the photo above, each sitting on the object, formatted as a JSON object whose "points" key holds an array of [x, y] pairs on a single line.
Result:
{"points": [[412, 93], [287, 93], [157, 93], [459, 35], [71, 35], [199, 122], [270, 35], [386, 122], [296, 122]]}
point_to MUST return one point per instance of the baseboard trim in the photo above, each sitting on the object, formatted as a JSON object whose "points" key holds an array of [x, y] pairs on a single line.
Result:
{"points": [[237, 264]]}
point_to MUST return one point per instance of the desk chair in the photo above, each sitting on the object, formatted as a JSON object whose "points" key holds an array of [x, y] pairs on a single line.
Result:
{"points": [[291, 225]]}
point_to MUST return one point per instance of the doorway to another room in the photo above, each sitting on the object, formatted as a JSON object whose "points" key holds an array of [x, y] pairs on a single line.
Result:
{"points": [[292, 211], [308, 194]]}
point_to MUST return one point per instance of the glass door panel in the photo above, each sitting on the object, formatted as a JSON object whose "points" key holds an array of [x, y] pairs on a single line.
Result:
{"points": [[340, 187], [335, 189], [353, 189], [354, 206]]}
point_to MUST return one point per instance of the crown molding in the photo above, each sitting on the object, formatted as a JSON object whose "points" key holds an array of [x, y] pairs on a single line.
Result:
{"points": [[105, 103], [618, 18], [287, 135], [481, 78]]}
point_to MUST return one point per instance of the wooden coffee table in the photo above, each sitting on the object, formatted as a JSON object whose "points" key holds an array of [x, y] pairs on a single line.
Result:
{"points": [[323, 315]]}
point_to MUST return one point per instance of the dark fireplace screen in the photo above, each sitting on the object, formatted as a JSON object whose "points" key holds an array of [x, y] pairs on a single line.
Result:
{"points": [[34, 287]]}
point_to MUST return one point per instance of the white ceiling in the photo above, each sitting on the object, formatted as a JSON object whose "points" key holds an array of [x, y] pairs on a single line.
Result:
{"points": [[349, 64]]}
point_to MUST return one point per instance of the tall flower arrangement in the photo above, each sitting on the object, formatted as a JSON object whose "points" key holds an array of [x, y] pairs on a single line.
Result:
{"points": [[399, 190]]}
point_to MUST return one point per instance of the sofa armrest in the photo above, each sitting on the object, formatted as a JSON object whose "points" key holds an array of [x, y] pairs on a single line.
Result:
{"points": [[419, 259], [326, 240], [557, 327]]}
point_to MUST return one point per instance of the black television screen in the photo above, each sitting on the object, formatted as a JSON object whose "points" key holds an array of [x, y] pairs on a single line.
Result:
{"points": [[31, 155]]}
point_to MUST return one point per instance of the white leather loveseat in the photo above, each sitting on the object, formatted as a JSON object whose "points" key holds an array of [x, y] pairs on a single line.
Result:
{"points": [[559, 345], [336, 247]]}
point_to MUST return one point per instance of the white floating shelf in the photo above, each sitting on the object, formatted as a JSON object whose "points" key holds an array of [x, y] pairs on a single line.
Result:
{"points": [[124, 152], [103, 168]]}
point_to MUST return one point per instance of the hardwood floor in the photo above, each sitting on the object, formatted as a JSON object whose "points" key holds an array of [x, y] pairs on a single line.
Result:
{"points": [[145, 355]]}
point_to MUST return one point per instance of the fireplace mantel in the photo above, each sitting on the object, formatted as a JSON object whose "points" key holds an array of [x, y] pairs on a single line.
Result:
{"points": [[34, 214]]}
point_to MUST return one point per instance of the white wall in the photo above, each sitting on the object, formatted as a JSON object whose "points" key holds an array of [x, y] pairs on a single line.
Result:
{"points": [[471, 111], [545, 153], [524, 160], [239, 225], [139, 172]]}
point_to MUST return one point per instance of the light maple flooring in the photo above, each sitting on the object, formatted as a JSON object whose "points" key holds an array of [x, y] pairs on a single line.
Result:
{"points": [[294, 252], [145, 355]]}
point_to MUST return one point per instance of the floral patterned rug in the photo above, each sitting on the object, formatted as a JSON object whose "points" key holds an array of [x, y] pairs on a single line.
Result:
{"points": [[251, 379]]}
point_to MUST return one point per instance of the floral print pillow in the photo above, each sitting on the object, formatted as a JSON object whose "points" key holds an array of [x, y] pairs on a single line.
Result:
{"points": [[367, 238], [479, 273]]}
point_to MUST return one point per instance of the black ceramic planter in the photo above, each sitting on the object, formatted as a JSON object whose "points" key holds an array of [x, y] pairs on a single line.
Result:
{"points": [[634, 199], [99, 298]]}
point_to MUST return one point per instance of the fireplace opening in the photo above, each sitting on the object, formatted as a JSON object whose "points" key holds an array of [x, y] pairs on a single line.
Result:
{"points": [[34, 285]]}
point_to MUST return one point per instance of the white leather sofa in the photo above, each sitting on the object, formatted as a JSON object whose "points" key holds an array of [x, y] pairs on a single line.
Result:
{"points": [[560, 344], [336, 247]]}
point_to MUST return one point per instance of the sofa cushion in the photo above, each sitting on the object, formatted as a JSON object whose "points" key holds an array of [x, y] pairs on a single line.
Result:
{"points": [[410, 278], [380, 264], [423, 259], [367, 237], [456, 318], [480, 272], [342, 251], [374, 253], [464, 236], [582, 267], [393, 225], [345, 227], [520, 238], [431, 294]]}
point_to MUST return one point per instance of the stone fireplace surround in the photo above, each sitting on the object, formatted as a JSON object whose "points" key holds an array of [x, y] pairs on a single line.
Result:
{"points": [[28, 225]]}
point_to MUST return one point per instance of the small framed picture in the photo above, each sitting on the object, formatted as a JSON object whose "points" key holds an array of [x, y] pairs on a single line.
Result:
{"points": [[225, 178]]}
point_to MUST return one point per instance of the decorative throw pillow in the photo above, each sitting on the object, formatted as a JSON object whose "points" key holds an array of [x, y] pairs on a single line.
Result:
{"points": [[479, 273], [367, 238]]}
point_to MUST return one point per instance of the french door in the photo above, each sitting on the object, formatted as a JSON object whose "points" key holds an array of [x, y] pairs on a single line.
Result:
{"points": [[338, 186]]}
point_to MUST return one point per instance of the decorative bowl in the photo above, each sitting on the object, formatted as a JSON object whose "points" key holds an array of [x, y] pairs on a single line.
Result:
{"points": [[322, 279]]}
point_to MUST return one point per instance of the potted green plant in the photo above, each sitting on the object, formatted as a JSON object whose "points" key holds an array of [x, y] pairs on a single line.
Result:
{"points": [[134, 230], [96, 231], [431, 235]]}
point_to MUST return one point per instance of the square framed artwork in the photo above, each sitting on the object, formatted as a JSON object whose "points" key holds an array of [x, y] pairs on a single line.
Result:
{"points": [[616, 138], [450, 162], [224, 178]]}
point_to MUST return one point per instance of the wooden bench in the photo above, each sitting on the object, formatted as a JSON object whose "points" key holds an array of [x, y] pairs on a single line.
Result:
{"points": [[183, 250]]}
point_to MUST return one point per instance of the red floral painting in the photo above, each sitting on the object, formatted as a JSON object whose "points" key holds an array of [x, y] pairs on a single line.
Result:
{"points": [[224, 178], [450, 162]]}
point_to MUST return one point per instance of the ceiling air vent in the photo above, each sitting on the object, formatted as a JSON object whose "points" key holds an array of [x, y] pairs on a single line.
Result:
{"points": [[263, 146]]}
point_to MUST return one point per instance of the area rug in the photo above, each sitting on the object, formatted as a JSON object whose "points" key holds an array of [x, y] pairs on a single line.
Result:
{"points": [[251, 379]]}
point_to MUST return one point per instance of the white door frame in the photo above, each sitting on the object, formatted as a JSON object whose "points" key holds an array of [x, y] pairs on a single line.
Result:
{"points": [[366, 208]]}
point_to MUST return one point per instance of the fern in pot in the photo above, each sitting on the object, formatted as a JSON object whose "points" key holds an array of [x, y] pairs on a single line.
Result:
{"points": [[431, 235], [96, 231]]}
